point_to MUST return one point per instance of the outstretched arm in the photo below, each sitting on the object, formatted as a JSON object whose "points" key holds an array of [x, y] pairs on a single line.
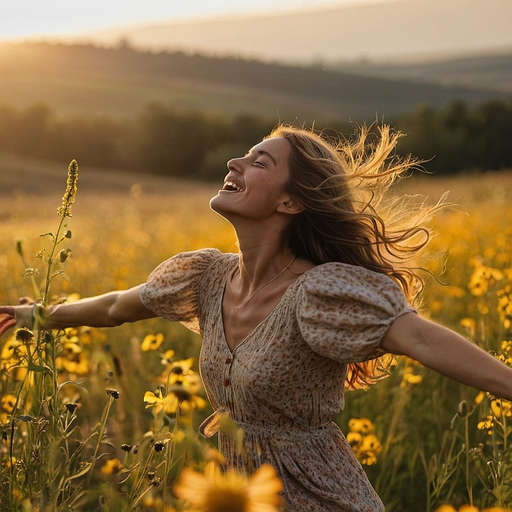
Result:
{"points": [[108, 310], [448, 353]]}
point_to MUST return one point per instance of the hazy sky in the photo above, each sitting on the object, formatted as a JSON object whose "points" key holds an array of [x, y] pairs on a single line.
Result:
{"points": [[23, 18]]}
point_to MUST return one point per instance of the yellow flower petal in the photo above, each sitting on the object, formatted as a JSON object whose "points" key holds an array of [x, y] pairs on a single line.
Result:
{"points": [[152, 342], [445, 508]]}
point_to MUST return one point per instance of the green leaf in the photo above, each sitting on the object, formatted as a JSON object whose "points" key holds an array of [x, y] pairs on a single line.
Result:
{"points": [[36, 368], [85, 469], [27, 418]]}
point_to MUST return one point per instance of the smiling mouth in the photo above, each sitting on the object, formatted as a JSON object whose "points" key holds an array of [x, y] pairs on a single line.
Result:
{"points": [[231, 186]]}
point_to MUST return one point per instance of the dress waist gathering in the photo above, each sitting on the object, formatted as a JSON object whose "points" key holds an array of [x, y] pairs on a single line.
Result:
{"points": [[284, 432]]}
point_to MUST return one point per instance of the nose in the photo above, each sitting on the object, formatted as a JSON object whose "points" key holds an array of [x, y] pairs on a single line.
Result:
{"points": [[235, 164]]}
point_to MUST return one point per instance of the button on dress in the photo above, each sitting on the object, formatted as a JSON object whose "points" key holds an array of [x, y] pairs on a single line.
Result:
{"points": [[284, 382]]}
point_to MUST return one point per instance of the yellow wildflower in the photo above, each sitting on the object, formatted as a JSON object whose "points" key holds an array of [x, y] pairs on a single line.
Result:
{"points": [[188, 401], [13, 356], [214, 455], [409, 377], [363, 442], [112, 466], [480, 397], [486, 424], [361, 425], [354, 439], [178, 396], [215, 491], [77, 364], [12, 462], [506, 346], [152, 342], [369, 449], [470, 325], [505, 306], [169, 404], [445, 508], [168, 356], [180, 378], [501, 408], [7, 404], [468, 508], [178, 370], [483, 277]]}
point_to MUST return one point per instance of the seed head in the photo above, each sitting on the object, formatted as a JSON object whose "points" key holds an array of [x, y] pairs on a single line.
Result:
{"points": [[72, 406], [24, 335], [71, 188], [159, 446], [113, 393]]}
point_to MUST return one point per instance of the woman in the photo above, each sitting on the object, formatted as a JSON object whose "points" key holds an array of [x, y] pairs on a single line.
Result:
{"points": [[317, 297]]}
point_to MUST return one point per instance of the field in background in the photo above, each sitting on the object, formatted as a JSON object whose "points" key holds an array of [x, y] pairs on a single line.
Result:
{"points": [[124, 225]]}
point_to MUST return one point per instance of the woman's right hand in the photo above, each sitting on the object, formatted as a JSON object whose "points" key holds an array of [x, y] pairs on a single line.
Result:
{"points": [[7, 318], [17, 316]]}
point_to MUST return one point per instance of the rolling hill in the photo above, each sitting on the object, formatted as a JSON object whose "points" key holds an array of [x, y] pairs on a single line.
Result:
{"points": [[491, 71], [334, 32], [122, 80]]}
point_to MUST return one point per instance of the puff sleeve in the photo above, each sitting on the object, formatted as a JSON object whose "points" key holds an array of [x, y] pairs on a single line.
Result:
{"points": [[344, 311], [172, 289]]}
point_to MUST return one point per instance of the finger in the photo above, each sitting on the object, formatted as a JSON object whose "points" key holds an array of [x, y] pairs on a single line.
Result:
{"points": [[6, 322], [7, 311]]}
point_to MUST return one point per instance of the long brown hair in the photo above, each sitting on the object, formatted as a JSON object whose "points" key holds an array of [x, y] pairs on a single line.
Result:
{"points": [[342, 184]]}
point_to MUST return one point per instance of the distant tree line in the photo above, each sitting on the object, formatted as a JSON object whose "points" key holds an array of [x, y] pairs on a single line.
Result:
{"points": [[459, 137], [195, 145]]}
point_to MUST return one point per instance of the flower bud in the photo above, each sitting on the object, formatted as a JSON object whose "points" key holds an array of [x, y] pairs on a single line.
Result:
{"points": [[64, 255], [463, 409]]}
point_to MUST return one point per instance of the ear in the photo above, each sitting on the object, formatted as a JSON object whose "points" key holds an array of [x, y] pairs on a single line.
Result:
{"points": [[290, 206]]}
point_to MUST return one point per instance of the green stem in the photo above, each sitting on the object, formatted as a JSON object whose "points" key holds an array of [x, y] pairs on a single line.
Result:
{"points": [[139, 481], [103, 427], [468, 473], [49, 267]]}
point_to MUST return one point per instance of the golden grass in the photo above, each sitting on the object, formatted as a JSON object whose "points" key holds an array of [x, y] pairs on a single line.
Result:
{"points": [[124, 225]]}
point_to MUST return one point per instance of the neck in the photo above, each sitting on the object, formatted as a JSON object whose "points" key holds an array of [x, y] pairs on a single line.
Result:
{"points": [[260, 245], [260, 263], [250, 285]]}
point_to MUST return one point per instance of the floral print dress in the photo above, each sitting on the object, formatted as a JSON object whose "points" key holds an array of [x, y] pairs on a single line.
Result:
{"points": [[285, 381]]}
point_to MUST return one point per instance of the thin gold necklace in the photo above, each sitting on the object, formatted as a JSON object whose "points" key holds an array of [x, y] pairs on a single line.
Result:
{"points": [[259, 289]]}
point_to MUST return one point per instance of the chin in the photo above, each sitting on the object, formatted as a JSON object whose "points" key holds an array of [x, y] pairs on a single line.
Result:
{"points": [[216, 205], [222, 209], [213, 202]]}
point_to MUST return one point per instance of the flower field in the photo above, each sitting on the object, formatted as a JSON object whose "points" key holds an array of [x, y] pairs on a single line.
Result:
{"points": [[97, 419]]}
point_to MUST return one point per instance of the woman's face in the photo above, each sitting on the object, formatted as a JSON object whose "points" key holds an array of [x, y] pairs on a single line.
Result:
{"points": [[255, 184]]}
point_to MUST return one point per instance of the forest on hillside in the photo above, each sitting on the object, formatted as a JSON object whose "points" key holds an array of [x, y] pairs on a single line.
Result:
{"points": [[123, 80], [185, 115], [161, 140]]}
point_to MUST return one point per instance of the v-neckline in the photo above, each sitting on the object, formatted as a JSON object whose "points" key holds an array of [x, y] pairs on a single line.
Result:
{"points": [[265, 319]]}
